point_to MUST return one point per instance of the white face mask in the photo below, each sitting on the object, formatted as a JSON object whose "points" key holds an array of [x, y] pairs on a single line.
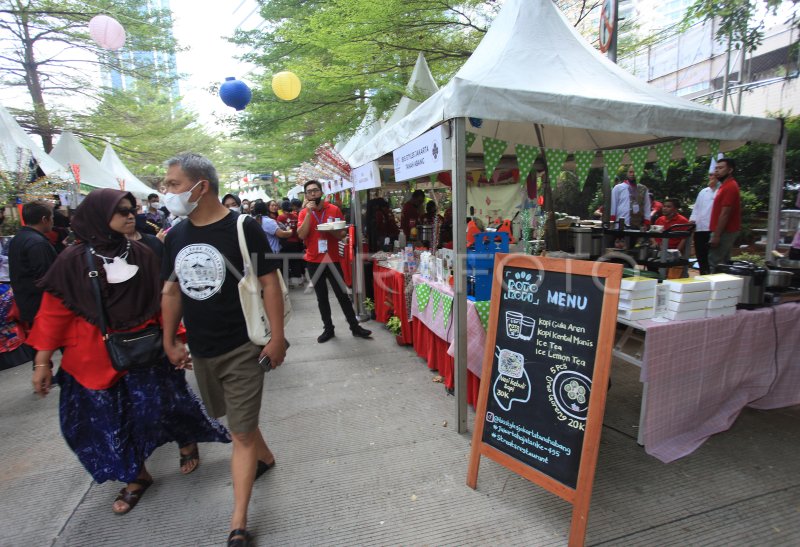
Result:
{"points": [[118, 270], [156, 205], [234, 209], [179, 204]]}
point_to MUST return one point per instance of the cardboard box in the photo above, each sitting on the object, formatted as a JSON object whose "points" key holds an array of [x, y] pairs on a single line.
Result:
{"points": [[688, 284], [638, 304], [698, 296], [637, 283], [725, 293], [628, 294], [722, 281], [685, 315], [722, 303], [720, 312], [686, 306], [636, 315]]}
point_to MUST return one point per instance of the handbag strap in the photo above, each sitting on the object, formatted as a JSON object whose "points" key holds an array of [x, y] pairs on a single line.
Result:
{"points": [[248, 265], [101, 315]]}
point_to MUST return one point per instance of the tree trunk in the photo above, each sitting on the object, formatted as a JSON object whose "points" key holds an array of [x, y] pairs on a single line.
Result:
{"points": [[40, 113]]}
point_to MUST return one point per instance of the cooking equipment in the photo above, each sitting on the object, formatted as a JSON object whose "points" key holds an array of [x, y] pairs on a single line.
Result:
{"points": [[779, 278], [597, 242], [754, 281], [426, 232], [582, 241]]}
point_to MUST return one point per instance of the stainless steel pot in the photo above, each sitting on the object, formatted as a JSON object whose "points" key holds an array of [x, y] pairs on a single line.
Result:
{"points": [[779, 279], [426, 233], [754, 281]]}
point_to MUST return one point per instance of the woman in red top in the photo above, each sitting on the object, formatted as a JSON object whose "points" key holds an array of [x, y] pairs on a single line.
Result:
{"points": [[113, 420]]}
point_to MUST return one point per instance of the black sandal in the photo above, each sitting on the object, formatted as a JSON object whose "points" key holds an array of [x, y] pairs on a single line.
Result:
{"points": [[262, 468], [132, 497], [194, 455], [240, 538]]}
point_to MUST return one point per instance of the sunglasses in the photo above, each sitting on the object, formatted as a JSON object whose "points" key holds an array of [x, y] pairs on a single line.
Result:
{"points": [[126, 211]]}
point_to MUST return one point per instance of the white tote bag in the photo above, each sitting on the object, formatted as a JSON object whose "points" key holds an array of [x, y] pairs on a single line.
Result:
{"points": [[250, 294]]}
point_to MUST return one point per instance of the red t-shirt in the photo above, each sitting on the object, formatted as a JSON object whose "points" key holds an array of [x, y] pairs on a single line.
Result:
{"points": [[327, 214], [289, 220], [727, 196], [667, 224], [85, 356]]}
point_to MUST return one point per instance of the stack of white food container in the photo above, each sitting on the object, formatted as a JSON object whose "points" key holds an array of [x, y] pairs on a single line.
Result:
{"points": [[725, 292], [687, 298], [637, 298]]}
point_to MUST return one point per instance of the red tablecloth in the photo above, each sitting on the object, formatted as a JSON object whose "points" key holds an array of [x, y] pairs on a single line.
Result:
{"points": [[389, 292]]}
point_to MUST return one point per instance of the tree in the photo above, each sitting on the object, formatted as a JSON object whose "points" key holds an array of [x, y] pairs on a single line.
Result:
{"points": [[737, 19], [45, 47]]}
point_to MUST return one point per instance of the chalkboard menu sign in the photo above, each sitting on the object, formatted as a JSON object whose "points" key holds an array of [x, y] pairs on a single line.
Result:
{"points": [[542, 371], [545, 372]]}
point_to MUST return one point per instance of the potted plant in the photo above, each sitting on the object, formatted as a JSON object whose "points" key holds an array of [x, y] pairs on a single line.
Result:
{"points": [[369, 305], [395, 327]]}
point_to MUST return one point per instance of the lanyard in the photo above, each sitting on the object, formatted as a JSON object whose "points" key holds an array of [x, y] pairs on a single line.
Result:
{"points": [[318, 219]]}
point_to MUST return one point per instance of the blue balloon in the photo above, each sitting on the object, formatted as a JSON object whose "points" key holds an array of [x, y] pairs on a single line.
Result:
{"points": [[476, 122], [235, 93]]}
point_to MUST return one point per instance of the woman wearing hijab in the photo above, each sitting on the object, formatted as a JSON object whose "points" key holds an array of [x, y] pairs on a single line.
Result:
{"points": [[267, 215], [112, 420]]}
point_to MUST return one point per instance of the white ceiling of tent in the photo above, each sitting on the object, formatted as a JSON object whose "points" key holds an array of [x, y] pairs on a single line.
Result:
{"points": [[13, 138]]}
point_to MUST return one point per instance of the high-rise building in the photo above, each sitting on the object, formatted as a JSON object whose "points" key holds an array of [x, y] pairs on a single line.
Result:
{"points": [[159, 61]]}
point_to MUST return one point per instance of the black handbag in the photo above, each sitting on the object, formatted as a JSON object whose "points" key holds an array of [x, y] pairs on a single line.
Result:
{"points": [[128, 350]]}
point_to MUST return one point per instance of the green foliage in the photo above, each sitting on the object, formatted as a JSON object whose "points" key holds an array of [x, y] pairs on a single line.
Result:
{"points": [[369, 305], [394, 325], [736, 19]]}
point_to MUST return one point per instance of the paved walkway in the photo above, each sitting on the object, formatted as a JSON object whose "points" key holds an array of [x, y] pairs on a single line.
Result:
{"points": [[367, 456]]}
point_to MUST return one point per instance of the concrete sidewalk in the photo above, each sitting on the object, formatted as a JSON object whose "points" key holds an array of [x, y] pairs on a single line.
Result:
{"points": [[366, 455]]}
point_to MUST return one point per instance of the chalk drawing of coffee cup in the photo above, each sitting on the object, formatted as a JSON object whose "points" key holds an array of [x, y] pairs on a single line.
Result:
{"points": [[510, 363], [527, 326], [499, 389], [513, 324]]}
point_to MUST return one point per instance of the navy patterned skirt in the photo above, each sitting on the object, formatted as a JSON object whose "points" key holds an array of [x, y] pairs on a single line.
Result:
{"points": [[113, 431]]}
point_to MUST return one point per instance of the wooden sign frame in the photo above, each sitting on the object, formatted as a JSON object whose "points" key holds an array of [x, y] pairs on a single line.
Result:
{"points": [[580, 496]]}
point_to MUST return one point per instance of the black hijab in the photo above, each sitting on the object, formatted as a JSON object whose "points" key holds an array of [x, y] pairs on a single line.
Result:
{"points": [[126, 304]]}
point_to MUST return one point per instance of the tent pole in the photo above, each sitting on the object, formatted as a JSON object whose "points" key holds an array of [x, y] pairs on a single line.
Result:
{"points": [[358, 263], [776, 193], [459, 174]]}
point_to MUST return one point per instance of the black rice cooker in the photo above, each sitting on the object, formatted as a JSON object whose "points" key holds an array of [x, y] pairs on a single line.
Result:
{"points": [[754, 281]]}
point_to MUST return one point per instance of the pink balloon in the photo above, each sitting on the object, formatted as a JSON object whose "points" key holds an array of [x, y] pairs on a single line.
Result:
{"points": [[107, 32]]}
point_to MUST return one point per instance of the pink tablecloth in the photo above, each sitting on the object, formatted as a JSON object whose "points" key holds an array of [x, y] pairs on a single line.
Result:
{"points": [[701, 374]]}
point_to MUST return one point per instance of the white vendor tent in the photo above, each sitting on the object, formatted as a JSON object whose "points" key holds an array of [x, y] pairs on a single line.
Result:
{"points": [[533, 80], [13, 138], [130, 182], [69, 151], [254, 194]]}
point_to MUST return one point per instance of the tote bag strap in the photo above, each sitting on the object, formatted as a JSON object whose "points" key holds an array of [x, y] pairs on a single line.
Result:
{"points": [[248, 265], [101, 314]]}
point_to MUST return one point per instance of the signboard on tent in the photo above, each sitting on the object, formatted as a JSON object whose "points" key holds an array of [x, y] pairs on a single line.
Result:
{"points": [[367, 176], [428, 153]]}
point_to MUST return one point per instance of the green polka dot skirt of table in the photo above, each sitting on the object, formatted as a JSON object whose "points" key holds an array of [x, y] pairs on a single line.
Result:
{"points": [[482, 307], [447, 307], [437, 300]]}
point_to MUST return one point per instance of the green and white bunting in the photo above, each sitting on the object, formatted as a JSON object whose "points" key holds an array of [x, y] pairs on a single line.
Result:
{"points": [[482, 307], [447, 307], [492, 152], [613, 159], [713, 148], [470, 140], [583, 162], [638, 159], [526, 155], [664, 155], [555, 160], [437, 301], [689, 147], [423, 292]]}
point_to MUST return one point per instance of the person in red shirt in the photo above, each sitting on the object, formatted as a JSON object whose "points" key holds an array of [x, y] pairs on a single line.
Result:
{"points": [[113, 420], [410, 215], [726, 215], [322, 259], [292, 245], [669, 218]]}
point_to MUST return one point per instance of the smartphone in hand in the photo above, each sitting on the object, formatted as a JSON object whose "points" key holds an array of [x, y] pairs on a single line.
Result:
{"points": [[266, 363]]}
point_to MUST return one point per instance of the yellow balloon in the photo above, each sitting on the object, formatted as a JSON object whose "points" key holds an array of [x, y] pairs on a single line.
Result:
{"points": [[286, 85]]}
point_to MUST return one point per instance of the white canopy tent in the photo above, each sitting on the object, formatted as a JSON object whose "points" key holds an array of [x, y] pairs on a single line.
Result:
{"points": [[534, 80], [254, 194], [13, 138], [130, 183], [69, 151]]}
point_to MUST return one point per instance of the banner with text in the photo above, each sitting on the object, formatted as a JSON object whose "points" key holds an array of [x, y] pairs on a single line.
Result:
{"points": [[367, 176], [428, 153]]}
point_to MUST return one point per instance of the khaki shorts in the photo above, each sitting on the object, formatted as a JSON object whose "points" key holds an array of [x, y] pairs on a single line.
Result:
{"points": [[231, 384]]}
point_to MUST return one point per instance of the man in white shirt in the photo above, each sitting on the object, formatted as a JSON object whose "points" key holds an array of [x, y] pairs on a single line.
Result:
{"points": [[631, 201], [701, 218]]}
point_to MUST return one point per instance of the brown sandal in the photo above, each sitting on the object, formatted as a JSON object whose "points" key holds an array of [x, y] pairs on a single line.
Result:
{"points": [[194, 455], [132, 497]]}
